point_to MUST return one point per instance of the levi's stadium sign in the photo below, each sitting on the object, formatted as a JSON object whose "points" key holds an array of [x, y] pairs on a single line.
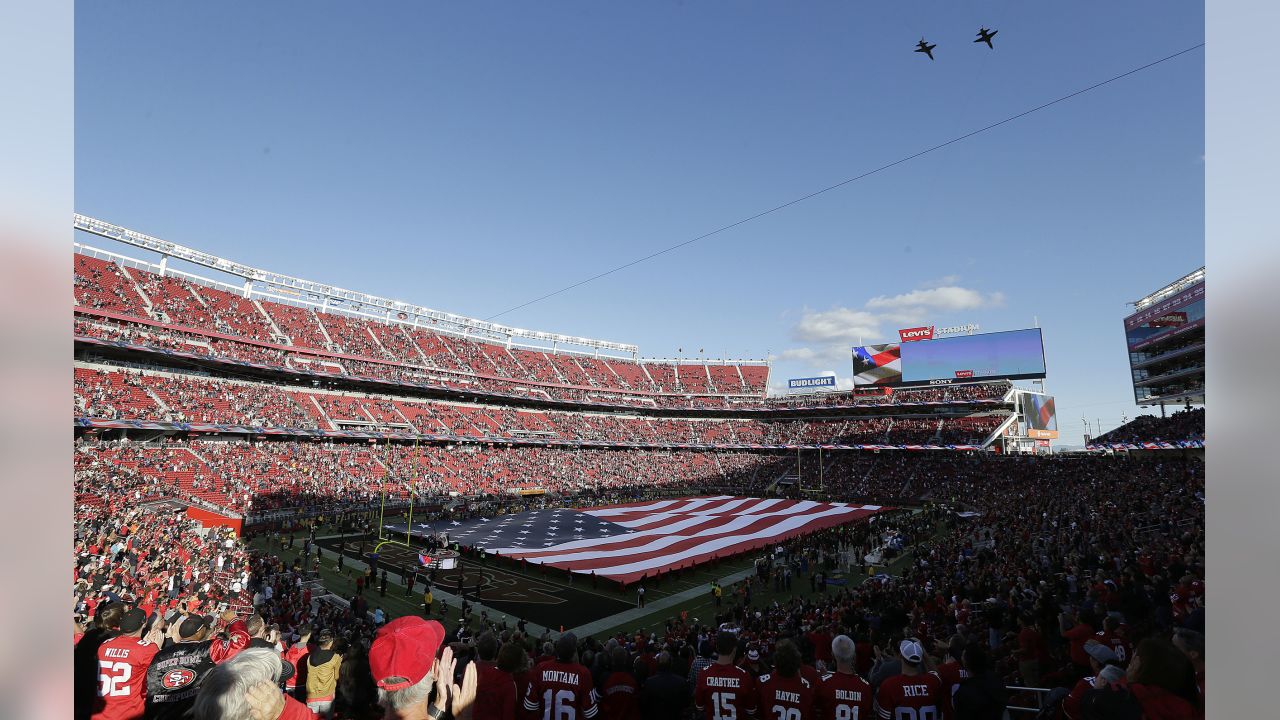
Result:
{"points": [[825, 381], [928, 332], [958, 329], [917, 333]]}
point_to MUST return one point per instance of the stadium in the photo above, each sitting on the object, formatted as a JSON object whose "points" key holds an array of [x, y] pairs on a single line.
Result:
{"points": [[352, 442], [402, 384]]}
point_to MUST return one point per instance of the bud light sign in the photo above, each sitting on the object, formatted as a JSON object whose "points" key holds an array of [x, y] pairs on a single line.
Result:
{"points": [[826, 381]]}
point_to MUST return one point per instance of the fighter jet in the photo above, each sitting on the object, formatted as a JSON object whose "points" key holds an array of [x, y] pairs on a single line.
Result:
{"points": [[925, 48], [985, 35]]}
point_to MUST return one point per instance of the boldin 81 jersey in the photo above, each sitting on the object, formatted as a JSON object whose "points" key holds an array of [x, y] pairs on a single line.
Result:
{"points": [[844, 696]]}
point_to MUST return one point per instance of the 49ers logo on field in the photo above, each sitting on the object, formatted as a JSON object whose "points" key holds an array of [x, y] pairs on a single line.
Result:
{"points": [[179, 678], [918, 333]]}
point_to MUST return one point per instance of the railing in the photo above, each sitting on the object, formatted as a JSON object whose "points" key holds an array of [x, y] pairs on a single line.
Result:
{"points": [[299, 513], [1041, 694]]}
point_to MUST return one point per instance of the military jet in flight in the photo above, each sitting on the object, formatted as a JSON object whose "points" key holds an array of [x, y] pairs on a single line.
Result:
{"points": [[925, 48], [985, 35]]}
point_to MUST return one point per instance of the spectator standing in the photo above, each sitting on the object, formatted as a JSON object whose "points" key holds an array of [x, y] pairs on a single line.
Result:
{"points": [[247, 687], [913, 688], [561, 687], [981, 695], [842, 695], [784, 693], [176, 671], [1191, 643], [1164, 681], [620, 695], [724, 689], [412, 683], [122, 670], [495, 688], [665, 694], [297, 655], [323, 668]]}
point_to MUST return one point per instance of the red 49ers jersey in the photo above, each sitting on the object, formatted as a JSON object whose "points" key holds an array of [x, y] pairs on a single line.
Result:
{"points": [[786, 698], [122, 677], [725, 692], [561, 691], [844, 696], [910, 698]]}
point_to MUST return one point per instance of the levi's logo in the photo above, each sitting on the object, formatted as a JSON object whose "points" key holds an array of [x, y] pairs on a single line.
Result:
{"points": [[918, 333], [964, 373]]}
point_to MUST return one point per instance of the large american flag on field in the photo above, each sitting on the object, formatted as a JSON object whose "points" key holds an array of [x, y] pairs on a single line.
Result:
{"points": [[628, 542]]}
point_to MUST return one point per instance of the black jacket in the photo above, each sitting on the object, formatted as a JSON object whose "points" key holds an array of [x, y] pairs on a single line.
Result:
{"points": [[664, 696], [980, 698]]}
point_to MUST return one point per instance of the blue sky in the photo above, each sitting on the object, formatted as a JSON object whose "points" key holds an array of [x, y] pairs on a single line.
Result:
{"points": [[473, 156]]}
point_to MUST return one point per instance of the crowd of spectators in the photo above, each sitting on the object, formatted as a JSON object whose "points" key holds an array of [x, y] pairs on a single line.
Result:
{"points": [[1180, 426], [1093, 583], [363, 347], [256, 477], [117, 393]]}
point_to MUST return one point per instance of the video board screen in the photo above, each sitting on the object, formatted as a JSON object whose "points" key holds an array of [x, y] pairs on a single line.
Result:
{"points": [[877, 365], [1013, 355], [1041, 416], [1178, 314]]}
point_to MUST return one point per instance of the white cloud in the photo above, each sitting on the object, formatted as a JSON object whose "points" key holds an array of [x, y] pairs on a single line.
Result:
{"points": [[945, 298], [843, 325], [803, 353]]}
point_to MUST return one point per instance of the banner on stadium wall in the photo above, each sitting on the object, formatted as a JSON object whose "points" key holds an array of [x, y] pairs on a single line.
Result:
{"points": [[210, 519], [809, 383], [1179, 445]]}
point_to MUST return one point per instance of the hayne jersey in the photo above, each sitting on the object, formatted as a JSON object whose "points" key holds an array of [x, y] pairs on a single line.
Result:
{"points": [[122, 677], [915, 697], [785, 698], [725, 692], [561, 691], [844, 696]]}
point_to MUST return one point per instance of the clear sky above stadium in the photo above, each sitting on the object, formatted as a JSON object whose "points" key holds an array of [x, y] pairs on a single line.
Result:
{"points": [[474, 156]]}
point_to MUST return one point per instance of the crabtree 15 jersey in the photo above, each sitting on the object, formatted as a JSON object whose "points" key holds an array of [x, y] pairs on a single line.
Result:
{"points": [[725, 692]]}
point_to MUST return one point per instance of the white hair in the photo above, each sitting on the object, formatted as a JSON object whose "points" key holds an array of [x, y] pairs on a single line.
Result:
{"points": [[222, 694], [405, 698], [844, 649]]}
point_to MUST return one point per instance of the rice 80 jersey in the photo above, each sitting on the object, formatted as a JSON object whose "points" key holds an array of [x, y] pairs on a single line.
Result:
{"points": [[785, 698], [122, 677], [561, 691], [844, 696], [914, 697], [725, 692]]}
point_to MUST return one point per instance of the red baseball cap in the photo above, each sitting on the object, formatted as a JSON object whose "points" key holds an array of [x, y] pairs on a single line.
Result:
{"points": [[403, 651]]}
